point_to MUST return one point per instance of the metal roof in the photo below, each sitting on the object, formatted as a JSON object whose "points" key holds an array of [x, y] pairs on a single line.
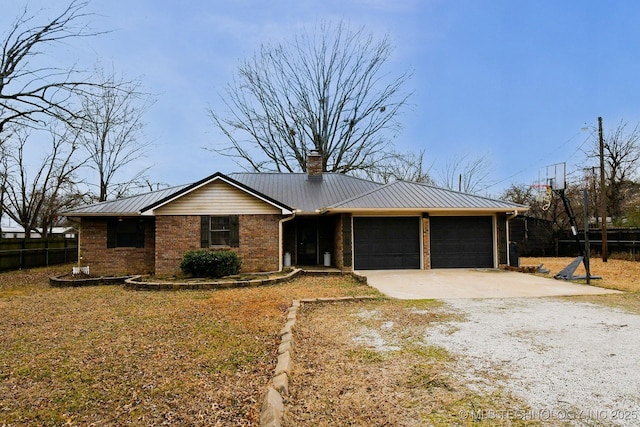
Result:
{"points": [[126, 206], [305, 194], [333, 193], [405, 195]]}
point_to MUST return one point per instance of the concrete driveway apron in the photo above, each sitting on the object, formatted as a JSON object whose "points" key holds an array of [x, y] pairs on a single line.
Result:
{"points": [[471, 283]]}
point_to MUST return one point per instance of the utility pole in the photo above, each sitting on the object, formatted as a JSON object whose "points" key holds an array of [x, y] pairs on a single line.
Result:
{"points": [[603, 193], [587, 246]]}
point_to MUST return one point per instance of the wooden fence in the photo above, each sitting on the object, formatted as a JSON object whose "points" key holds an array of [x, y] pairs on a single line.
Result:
{"points": [[28, 253]]}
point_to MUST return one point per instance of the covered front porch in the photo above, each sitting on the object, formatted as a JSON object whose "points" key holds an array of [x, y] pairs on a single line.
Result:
{"points": [[312, 241]]}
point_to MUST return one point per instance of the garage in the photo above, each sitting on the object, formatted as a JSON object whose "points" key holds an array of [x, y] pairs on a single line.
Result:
{"points": [[386, 243], [461, 242]]}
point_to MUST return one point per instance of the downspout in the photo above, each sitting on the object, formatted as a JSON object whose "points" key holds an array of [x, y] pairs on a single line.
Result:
{"points": [[509, 218], [281, 239]]}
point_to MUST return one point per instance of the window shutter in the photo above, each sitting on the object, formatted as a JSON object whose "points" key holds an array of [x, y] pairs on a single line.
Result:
{"points": [[112, 233], [140, 234], [204, 231], [234, 227]]}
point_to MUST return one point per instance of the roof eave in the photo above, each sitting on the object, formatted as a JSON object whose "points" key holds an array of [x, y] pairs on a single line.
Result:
{"points": [[98, 214], [426, 210]]}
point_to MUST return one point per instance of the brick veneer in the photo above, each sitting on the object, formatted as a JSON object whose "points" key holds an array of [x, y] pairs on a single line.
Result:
{"points": [[342, 251], [426, 244], [114, 261], [338, 248], [173, 236], [259, 240]]}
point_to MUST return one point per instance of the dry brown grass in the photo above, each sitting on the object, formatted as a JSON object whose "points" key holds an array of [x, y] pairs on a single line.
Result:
{"points": [[369, 364], [108, 356], [616, 274]]}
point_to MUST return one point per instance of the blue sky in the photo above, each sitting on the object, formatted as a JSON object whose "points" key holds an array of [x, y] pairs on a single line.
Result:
{"points": [[512, 80]]}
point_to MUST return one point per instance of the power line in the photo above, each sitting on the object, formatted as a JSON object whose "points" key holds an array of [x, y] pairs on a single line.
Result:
{"points": [[539, 160]]}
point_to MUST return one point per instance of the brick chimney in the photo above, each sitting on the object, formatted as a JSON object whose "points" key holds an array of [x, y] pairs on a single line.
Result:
{"points": [[314, 165]]}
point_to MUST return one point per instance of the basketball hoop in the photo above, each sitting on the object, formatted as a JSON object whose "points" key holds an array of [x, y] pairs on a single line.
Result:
{"points": [[544, 195], [550, 178]]}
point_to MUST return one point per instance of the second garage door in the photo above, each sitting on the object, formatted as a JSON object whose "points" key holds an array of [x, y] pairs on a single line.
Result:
{"points": [[461, 242], [386, 243]]}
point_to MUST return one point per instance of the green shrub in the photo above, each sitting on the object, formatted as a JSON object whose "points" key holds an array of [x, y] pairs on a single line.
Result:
{"points": [[206, 263]]}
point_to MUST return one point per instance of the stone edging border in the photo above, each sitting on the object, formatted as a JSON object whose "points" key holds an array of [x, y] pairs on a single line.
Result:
{"points": [[135, 284], [63, 282], [273, 404]]}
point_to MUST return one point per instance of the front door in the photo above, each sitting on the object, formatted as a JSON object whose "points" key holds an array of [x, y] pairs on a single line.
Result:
{"points": [[307, 242]]}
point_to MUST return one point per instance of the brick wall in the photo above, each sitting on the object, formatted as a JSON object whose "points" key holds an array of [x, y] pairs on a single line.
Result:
{"points": [[426, 244], [259, 240], [344, 245], [114, 261], [338, 244], [175, 236]]}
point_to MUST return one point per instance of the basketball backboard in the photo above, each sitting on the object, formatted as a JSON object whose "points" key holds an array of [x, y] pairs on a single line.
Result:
{"points": [[553, 176]]}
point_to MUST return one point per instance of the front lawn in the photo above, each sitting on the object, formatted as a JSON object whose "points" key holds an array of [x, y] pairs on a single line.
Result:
{"points": [[105, 355]]}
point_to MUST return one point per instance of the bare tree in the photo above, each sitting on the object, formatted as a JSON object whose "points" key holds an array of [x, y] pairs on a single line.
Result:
{"points": [[4, 176], [622, 161], [466, 175], [111, 132], [541, 205], [33, 201], [324, 91], [31, 94], [400, 166]]}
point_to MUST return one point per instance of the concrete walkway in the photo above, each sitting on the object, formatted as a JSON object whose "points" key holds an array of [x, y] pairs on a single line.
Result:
{"points": [[471, 283]]}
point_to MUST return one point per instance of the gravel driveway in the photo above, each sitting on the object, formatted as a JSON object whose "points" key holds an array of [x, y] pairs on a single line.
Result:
{"points": [[570, 361]]}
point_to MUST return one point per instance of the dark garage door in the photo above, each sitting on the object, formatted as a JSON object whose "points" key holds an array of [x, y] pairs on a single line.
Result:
{"points": [[461, 242], [386, 243]]}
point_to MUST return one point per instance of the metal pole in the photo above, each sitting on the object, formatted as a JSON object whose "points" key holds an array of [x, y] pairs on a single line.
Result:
{"points": [[587, 247], [603, 193]]}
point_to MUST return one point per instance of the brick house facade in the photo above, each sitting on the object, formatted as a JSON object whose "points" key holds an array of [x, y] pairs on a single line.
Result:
{"points": [[308, 219], [94, 250], [176, 235]]}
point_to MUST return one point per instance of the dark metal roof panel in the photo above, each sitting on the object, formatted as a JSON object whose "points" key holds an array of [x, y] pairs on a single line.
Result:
{"points": [[412, 195], [333, 191], [126, 206], [300, 192]]}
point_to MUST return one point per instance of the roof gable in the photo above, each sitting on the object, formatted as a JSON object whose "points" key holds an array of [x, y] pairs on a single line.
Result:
{"points": [[200, 185]]}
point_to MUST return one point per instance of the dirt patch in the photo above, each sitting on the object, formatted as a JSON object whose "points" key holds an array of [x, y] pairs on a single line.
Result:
{"points": [[368, 364]]}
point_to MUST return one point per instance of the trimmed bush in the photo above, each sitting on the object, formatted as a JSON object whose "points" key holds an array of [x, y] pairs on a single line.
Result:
{"points": [[205, 263]]}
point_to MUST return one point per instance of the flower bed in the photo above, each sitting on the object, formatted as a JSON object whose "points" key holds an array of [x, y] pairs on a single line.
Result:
{"points": [[71, 280], [146, 283]]}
